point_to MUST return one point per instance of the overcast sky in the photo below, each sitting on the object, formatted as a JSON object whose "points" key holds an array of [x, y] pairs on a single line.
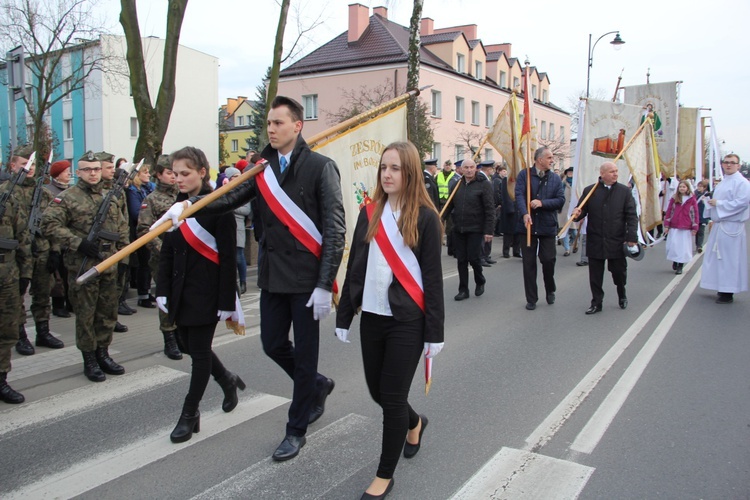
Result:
{"points": [[704, 44]]}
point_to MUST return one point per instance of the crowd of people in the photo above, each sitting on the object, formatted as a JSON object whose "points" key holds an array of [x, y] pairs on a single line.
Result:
{"points": [[393, 276]]}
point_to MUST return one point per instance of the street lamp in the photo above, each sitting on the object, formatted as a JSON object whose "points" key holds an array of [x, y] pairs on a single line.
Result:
{"points": [[616, 42]]}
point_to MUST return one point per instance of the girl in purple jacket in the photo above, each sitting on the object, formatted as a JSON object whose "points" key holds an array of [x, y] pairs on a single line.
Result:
{"points": [[681, 222]]}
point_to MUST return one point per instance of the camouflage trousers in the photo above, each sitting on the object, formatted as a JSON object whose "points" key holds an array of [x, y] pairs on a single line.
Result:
{"points": [[9, 304], [95, 306], [164, 324], [40, 288]]}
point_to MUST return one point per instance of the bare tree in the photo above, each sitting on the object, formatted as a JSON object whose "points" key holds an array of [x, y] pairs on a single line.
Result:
{"points": [[49, 32], [358, 100], [560, 149], [153, 120], [574, 100], [471, 140]]}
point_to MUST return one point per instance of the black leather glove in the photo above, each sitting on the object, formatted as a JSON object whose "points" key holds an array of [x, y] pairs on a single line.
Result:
{"points": [[23, 285], [89, 249], [54, 261]]}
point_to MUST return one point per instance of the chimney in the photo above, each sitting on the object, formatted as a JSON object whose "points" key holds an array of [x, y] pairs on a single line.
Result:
{"points": [[359, 19], [381, 11], [427, 25], [505, 47]]}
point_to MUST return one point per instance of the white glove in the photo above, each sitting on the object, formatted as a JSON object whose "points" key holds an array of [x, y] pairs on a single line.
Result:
{"points": [[320, 301], [343, 335], [431, 350], [172, 214], [224, 315], [161, 302], [634, 249]]}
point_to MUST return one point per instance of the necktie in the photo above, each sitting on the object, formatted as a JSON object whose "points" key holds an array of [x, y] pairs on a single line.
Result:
{"points": [[283, 163]]}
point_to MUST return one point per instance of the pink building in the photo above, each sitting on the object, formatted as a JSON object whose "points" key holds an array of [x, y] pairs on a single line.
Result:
{"points": [[471, 81]]}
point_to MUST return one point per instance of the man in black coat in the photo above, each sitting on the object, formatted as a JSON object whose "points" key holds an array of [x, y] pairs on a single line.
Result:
{"points": [[612, 221], [547, 197], [473, 216], [430, 183], [295, 276]]}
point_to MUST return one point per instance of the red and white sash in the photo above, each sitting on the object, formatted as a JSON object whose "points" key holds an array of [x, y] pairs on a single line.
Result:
{"points": [[289, 213], [204, 243], [400, 257]]}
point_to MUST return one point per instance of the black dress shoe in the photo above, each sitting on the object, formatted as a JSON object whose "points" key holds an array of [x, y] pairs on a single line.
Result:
{"points": [[581, 264], [486, 264], [624, 303], [123, 309], [320, 401], [517, 255], [411, 449], [479, 290], [506, 256], [594, 309], [490, 261], [61, 313], [120, 328], [725, 298], [530, 306], [146, 303], [367, 496], [674, 266], [551, 298], [289, 448], [464, 294]]}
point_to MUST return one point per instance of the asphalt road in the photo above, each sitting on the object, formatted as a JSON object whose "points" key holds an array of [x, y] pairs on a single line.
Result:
{"points": [[648, 402]]}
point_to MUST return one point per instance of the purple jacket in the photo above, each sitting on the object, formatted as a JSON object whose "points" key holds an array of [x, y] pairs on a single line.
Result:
{"points": [[682, 215]]}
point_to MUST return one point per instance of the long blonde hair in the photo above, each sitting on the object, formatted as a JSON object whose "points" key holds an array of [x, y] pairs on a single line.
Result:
{"points": [[677, 196], [413, 195]]}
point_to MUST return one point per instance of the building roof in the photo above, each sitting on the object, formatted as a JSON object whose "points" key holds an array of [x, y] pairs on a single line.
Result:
{"points": [[440, 37]]}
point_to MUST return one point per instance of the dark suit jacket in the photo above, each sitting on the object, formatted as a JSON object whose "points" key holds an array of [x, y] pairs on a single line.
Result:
{"points": [[195, 287], [612, 220], [428, 254]]}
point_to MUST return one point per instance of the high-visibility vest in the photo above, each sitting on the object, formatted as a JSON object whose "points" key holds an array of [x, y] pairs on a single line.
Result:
{"points": [[442, 182]]}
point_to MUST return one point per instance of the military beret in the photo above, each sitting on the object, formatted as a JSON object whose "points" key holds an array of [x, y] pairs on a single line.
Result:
{"points": [[241, 165], [164, 162], [487, 163], [58, 167], [88, 156], [104, 156], [431, 161], [459, 163], [24, 151]]}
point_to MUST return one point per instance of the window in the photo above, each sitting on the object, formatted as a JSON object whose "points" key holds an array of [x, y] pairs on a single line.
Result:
{"points": [[235, 145], [544, 130], [436, 109], [67, 130], [490, 115], [436, 153], [459, 152], [474, 113], [562, 133], [66, 90], [248, 120], [310, 103], [544, 96], [503, 79], [478, 70], [461, 63], [240, 121], [459, 109], [133, 126], [488, 153], [551, 131], [516, 82], [533, 91]]}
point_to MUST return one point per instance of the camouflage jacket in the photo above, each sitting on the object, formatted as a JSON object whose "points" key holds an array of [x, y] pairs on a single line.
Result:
{"points": [[68, 219], [25, 194], [154, 206], [119, 200], [17, 263]]}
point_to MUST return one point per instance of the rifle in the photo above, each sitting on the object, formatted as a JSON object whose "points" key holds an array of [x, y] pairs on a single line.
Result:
{"points": [[35, 214], [96, 232]]}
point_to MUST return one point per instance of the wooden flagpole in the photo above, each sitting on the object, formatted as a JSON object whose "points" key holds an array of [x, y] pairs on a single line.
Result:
{"points": [[586, 199], [248, 174]]}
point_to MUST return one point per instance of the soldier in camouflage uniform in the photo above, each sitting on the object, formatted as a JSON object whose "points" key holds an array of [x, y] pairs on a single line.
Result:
{"points": [[108, 178], [67, 222], [154, 206], [15, 265], [41, 281]]}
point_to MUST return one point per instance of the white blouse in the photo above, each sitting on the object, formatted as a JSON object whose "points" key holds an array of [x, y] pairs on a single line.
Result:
{"points": [[378, 277]]}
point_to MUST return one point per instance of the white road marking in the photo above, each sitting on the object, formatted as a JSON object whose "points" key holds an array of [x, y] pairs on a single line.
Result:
{"points": [[105, 467], [595, 428]]}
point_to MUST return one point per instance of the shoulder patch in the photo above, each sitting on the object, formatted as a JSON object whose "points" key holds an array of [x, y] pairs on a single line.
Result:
{"points": [[57, 200], [144, 205]]}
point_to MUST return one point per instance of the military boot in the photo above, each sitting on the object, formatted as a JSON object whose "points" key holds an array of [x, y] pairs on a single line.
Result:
{"points": [[106, 363], [7, 393], [23, 346], [45, 339], [229, 384], [170, 346], [91, 368]]}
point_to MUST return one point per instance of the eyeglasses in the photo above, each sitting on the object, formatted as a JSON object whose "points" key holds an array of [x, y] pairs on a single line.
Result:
{"points": [[90, 169], [724, 162]]}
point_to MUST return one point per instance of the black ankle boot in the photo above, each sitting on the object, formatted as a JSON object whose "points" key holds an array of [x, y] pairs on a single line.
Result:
{"points": [[7, 393], [45, 339], [186, 426], [91, 367], [23, 346], [106, 363], [170, 346], [229, 384]]}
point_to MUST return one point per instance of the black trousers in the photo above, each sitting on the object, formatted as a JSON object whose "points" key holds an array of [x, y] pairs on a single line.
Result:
{"points": [[279, 312], [511, 239], [544, 246], [468, 250], [619, 270], [390, 354], [196, 341]]}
